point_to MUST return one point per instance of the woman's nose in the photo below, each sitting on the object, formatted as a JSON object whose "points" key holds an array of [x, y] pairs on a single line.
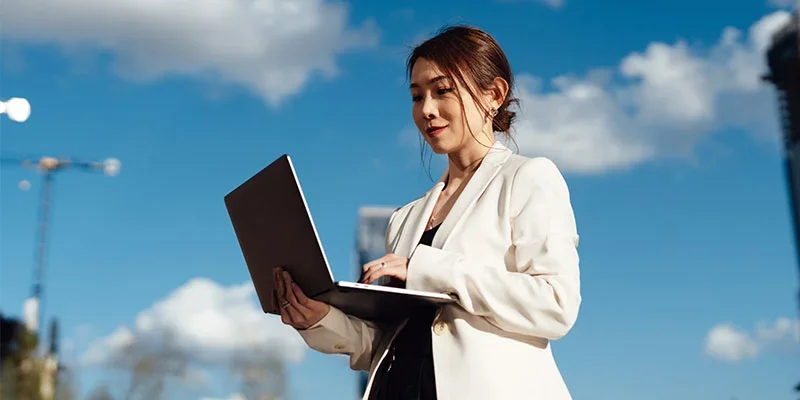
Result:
{"points": [[429, 109]]}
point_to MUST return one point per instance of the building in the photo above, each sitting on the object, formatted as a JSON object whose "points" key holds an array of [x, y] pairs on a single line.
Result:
{"points": [[371, 240], [783, 61], [370, 244]]}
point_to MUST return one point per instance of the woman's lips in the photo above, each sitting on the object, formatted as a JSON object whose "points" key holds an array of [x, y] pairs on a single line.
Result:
{"points": [[435, 130]]}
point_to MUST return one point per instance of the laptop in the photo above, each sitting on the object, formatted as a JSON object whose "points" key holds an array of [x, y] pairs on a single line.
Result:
{"points": [[274, 228]]}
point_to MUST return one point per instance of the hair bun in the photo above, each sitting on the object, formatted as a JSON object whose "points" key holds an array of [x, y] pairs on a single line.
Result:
{"points": [[504, 118]]}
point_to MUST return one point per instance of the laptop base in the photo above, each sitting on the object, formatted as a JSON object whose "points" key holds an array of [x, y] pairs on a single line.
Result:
{"points": [[379, 303]]}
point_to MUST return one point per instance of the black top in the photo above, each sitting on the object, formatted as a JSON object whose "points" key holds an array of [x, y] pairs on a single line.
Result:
{"points": [[415, 337], [407, 373], [427, 236]]}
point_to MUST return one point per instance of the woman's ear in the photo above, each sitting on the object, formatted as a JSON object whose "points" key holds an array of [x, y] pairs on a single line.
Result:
{"points": [[500, 88]]}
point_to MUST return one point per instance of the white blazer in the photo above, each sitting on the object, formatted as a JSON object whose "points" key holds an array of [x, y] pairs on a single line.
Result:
{"points": [[508, 252]]}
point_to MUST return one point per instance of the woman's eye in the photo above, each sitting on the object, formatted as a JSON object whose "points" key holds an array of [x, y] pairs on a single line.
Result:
{"points": [[444, 91], [416, 98]]}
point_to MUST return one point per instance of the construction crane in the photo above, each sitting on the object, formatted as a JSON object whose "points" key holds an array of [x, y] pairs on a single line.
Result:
{"points": [[32, 315], [49, 167]]}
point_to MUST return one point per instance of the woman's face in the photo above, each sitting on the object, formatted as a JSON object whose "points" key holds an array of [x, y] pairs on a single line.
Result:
{"points": [[437, 110]]}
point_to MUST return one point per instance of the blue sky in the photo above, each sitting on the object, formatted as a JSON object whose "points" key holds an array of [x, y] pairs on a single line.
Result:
{"points": [[653, 111]]}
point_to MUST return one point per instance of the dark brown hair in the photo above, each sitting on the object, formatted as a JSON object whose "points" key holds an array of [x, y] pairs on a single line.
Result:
{"points": [[473, 58]]}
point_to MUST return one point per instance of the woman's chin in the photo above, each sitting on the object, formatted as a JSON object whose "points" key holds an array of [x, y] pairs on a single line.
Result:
{"points": [[439, 150], [440, 147]]}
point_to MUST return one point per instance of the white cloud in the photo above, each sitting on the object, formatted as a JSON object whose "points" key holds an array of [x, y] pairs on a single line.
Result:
{"points": [[783, 335], [207, 323], [271, 47], [783, 328], [660, 103], [729, 343]]}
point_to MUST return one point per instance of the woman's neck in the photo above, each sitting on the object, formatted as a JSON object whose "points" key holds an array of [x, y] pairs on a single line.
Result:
{"points": [[463, 163]]}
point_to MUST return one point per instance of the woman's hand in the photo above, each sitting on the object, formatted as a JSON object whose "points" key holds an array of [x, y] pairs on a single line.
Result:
{"points": [[388, 265], [297, 310]]}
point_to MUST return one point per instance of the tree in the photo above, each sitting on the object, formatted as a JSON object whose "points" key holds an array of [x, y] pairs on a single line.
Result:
{"points": [[147, 367], [65, 386], [261, 374], [20, 370], [155, 368]]}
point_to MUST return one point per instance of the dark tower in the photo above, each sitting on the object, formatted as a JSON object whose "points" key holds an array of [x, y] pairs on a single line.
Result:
{"points": [[783, 61]]}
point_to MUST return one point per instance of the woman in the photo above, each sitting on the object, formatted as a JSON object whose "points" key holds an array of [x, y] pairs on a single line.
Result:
{"points": [[497, 232]]}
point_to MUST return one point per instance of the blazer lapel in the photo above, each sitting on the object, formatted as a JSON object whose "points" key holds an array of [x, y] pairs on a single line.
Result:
{"points": [[418, 219], [488, 169]]}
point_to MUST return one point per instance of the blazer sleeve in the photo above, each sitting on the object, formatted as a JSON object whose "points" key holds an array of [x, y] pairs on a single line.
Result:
{"points": [[540, 294], [340, 333]]}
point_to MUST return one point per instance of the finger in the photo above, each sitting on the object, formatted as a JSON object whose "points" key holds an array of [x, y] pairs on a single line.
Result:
{"points": [[290, 294], [297, 311], [286, 318], [371, 274], [367, 273], [396, 270], [304, 312], [282, 310], [376, 274], [373, 266], [376, 262], [289, 314], [279, 306], [279, 283], [298, 293], [387, 267], [283, 302], [298, 318]]}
